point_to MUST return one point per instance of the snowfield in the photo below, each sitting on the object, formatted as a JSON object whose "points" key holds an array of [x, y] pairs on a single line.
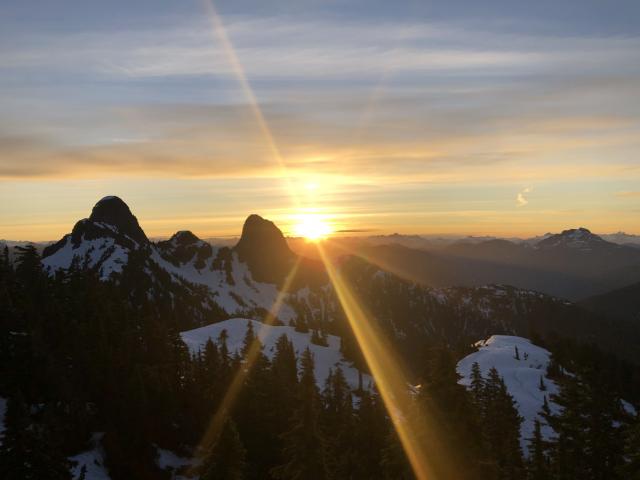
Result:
{"points": [[325, 358], [225, 294], [522, 377], [104, 252]]}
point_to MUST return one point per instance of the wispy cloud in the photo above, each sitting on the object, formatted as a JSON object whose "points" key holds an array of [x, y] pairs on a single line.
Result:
{"points": [[628, 194], [521, 200]]}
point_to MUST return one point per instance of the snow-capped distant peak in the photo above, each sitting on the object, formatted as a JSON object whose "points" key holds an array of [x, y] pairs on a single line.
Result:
{"points": [[575, 239], [577, 232]]}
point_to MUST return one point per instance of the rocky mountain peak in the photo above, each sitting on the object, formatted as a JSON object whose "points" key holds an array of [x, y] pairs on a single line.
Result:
{"points": [[184, 237], [576, 238], [265, 250], [113, 211], [262, 235], [579, 232]]}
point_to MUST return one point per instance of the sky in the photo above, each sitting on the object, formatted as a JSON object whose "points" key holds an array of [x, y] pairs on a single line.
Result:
{"points": [[507, 118]]}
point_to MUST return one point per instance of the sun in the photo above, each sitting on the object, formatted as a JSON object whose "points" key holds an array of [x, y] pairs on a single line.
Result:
{"points": [[311, 226]]}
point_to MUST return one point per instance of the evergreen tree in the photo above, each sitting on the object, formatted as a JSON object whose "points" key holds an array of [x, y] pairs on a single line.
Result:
{"points": [[369, 436], [252, 414], [538, 463], [28, 450], [453, 430], [477, 387], [249, 339], [501, 425], [226, 459], [28, 267], [604, 424], [541, 386], [283, 393], [338, 422], [630, 469], [303, 451], [394, 463], [567, 446], [225, 357]]}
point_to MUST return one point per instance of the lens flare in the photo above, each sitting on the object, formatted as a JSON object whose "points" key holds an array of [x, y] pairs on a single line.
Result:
{"points": [[220, 33], [419, 436], [384, 365]]}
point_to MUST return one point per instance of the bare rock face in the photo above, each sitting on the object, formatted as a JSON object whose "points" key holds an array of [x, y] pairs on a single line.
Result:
{"points": [[113, 211], [264, 249], [183, 247]]}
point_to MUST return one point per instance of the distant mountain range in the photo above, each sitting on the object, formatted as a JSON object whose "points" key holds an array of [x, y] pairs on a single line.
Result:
{"points": [[574, 264]]}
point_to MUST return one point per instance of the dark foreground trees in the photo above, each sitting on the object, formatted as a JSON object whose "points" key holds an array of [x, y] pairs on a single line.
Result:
{"points": [[76, 358]]}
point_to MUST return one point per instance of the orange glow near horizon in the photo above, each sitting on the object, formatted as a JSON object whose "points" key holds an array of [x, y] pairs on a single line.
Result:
{"points": [[312, 226]]}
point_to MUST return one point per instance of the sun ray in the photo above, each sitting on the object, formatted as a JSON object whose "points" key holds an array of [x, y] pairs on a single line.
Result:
{"points": [[218, 419], [419, 436], [380, 262], [220, 33], [384, 365]]}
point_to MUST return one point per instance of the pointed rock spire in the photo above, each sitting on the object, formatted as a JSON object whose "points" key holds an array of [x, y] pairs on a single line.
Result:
{"points": [[113, 211], [265, 250]]}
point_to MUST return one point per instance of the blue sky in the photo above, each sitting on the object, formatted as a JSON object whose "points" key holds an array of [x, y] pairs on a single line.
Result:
{"points": [[507, 117]]}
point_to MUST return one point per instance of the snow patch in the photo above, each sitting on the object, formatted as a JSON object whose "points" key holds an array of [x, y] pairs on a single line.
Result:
{"points": [[253, 294], [102, 252], [325, 358], [174, 463], [521, 377], [92, 459]]}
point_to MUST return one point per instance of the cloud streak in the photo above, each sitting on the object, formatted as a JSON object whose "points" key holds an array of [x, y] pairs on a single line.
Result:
{"points": [[521, 201]]}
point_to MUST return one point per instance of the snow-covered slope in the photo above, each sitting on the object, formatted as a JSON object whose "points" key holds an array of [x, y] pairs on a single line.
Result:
{"points": [[235, 291], [92, 460], [101, 253], [172, 463], [325, 358], [103, 242], [110, 240], [522, 377]]}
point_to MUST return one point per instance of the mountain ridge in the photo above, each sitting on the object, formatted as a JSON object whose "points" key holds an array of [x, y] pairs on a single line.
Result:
{"points": [[204, 284]]}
